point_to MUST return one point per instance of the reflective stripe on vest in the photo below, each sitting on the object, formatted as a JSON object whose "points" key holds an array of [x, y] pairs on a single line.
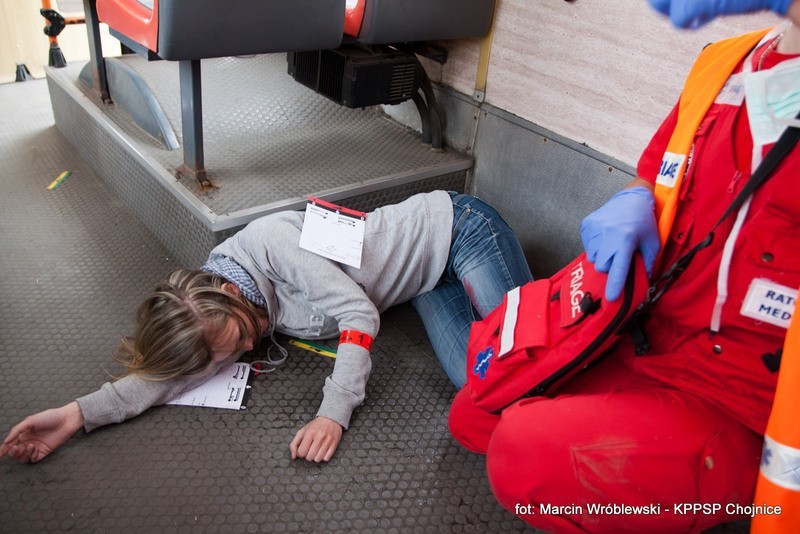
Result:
{"points": [[780, 464]]}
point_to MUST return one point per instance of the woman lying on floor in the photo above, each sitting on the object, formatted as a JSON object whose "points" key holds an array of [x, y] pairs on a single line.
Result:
{"points": [[451, 254]]}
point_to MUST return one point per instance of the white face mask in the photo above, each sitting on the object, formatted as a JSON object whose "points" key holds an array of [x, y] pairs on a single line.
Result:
{"points": [[773, 101]]}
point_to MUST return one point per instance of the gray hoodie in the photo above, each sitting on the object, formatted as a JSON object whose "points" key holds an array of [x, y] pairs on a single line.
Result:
{"points": [[406, 247]]}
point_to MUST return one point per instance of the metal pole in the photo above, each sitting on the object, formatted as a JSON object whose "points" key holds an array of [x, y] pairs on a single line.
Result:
{"points": [[192, 122], [99, 78]]}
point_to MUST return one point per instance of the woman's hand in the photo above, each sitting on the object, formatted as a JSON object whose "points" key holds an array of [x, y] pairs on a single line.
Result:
{"points": [[317, 441], [40, 434]]}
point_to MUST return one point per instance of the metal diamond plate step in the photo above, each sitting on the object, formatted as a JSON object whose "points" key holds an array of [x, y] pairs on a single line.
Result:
{"points": [[269, 143]]}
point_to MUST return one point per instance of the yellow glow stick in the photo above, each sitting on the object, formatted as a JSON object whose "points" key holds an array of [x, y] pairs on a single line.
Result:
{"points": [[313, 347], [58, 181]]}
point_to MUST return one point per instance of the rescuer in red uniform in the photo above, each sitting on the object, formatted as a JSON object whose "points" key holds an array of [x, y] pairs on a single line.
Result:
{"points": [[682, 424]]}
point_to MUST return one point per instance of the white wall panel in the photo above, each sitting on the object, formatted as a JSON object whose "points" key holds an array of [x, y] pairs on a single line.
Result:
{"points": [[600, 72], [22, 39]]}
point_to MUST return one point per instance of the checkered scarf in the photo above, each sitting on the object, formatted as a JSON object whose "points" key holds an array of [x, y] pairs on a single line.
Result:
{"points": [[234, 273]]}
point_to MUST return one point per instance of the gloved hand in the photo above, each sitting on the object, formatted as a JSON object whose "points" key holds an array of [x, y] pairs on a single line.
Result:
{"points": [[615, 231], [695, 13]]}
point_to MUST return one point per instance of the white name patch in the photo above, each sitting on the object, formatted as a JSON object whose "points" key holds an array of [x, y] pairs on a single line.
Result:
{"points": [[670, 166], [769, 302], [732, 93]]}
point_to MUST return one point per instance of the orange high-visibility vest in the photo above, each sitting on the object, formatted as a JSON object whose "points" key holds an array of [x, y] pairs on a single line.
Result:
{"points": [[779, 477], [777, 498], [709, 73]]}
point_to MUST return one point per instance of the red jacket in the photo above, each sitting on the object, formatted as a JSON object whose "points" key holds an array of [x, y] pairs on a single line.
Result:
{"points": [[727, 367]]}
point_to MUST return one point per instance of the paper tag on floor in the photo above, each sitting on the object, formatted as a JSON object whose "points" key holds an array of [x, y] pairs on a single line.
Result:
{"points": [[333, 232], [229, 389]]}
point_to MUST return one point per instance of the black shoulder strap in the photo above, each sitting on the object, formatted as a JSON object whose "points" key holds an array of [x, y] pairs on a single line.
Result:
{"points": [[779, 151], [785, 144]]}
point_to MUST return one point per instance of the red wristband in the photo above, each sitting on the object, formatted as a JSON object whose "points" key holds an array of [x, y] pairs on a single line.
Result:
{"points": [[357, 338]]}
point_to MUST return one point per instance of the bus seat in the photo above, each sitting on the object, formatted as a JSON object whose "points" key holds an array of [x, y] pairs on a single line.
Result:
{"points": [[401, 21], [200, 29], [188, 31]]}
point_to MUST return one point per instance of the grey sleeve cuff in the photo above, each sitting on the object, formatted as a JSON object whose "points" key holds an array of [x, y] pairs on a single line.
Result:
{"points": [[129, 396], [345, 389], [98, 409]]}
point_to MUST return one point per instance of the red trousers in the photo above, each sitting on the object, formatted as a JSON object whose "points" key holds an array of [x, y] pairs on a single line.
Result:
{"points": [[611, 439]]}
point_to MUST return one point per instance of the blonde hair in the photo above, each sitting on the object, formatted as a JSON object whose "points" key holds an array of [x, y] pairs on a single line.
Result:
{"points": [[176, 323]]}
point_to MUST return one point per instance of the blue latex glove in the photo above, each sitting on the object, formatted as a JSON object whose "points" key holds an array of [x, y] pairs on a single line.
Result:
{"points": [[695, 13], [614, 232]]}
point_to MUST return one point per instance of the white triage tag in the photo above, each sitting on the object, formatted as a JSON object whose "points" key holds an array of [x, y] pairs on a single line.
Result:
{"points": [[670, 165], [333, 232], [769, 302]]}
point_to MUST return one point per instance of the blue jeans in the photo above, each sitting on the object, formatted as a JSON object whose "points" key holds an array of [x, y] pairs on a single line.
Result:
{"points": [[486, 262]]}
